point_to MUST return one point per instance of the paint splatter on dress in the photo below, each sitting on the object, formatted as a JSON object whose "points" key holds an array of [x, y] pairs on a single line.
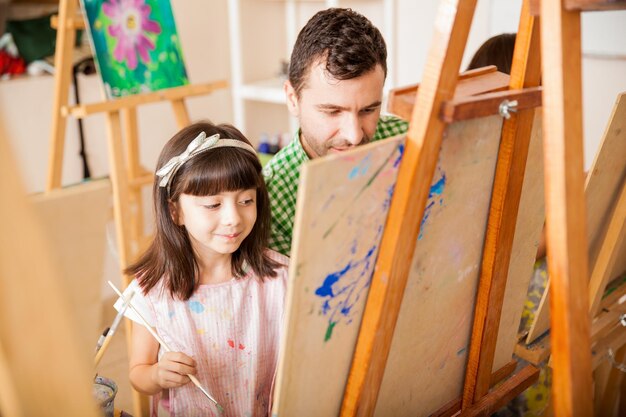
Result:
{"points": [[232, 330]]}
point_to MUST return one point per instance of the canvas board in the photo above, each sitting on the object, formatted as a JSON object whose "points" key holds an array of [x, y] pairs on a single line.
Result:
{"points": [[342, 206], [74, 219], [135, 44], [426, 364]]}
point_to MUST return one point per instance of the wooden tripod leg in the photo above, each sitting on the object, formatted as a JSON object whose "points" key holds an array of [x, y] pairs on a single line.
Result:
{"points": [[608, 403], [121, 209], [180, 113], [66, 36], [608, 252], [119, 185], [565, 209], [9, 400], [502, 394], [505, 199], [622, 399], [133, 171]]}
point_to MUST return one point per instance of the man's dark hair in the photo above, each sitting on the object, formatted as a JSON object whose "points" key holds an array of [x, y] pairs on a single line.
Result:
{"points": [[346, 40]]}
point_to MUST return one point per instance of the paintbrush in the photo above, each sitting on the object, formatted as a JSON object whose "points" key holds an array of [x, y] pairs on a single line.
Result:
{"points": [[103, 343], [164, 345]]}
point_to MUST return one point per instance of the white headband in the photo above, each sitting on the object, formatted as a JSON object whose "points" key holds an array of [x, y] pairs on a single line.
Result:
{"points": [[200, 144]]}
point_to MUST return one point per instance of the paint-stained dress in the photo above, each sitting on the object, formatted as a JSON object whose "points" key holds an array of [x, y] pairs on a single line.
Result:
{"points": [[232, 330]]}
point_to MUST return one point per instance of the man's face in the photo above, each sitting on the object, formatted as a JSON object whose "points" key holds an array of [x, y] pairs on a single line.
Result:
{"points": [[336, 115]]}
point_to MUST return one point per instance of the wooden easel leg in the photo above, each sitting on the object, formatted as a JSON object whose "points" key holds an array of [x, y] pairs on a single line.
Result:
{"points": [[134, 171], [622, 398], [501, 395], [180, 113], [505, 199], [608, 252], [121, 209], [565, 208], [9, 400], [453, 407], [66, 37], [607, 404], [119, 185], [600, 378]]}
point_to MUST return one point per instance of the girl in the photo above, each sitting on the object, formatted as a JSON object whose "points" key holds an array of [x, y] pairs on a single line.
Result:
{"points": [[207, 283]]}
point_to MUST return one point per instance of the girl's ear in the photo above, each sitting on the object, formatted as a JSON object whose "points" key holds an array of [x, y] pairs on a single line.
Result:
{"points": [[175, 213]]}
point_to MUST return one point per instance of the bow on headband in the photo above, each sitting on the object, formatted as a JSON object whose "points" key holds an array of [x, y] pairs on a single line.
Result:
{"points": [[200, 144]]}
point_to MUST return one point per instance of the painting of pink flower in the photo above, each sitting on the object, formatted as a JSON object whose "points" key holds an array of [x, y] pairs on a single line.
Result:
{"points": [[130, 25]]}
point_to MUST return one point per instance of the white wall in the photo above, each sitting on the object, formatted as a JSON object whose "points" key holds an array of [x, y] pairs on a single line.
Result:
{"points": [[604, 53], [203, 27]]}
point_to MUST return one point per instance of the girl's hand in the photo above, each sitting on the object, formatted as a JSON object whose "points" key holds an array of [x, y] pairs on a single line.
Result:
{"points": [[172, 369]]}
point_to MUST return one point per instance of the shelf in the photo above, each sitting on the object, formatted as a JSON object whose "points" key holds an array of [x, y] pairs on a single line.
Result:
{"points": [[268, 91]]}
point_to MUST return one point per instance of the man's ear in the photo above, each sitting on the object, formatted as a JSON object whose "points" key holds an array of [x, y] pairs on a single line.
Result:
{"points": [[292, 99]]}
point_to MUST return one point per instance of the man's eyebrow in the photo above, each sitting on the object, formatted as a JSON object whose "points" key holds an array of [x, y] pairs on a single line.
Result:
{"points": [[330, 107], [336, 107], [374, 104]]}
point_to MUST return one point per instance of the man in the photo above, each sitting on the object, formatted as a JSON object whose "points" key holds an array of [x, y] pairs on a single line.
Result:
{"points": [[335, 88]]}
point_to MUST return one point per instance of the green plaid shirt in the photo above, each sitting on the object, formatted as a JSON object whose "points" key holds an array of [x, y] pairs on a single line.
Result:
{"points": [[282, 176]]}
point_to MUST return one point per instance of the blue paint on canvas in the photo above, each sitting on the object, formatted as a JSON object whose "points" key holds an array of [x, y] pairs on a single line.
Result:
{"points": [[342, 289], [436, 190]]}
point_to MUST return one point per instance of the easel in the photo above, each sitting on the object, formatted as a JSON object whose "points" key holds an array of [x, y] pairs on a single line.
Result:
{"points": [[565, 203], [567, 251], [573, 295], [407, 209], [126, 174], [605, 211]]}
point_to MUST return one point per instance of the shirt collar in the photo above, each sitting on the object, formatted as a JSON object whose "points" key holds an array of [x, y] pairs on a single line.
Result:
{"points": [[298, 149]]}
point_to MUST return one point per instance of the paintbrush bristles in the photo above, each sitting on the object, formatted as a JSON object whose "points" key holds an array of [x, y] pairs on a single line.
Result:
{"points": [[143, 320], [162, 343]]}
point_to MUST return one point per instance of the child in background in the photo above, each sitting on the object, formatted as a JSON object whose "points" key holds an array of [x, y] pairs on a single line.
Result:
{"points": [[497, 50], [207, 283]]}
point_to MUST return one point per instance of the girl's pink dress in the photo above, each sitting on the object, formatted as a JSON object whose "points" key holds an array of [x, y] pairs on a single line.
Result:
{"points": [[232, 330]]}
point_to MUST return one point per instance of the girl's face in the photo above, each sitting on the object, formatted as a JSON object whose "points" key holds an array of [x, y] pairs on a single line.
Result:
{"points": [[217, 224]]}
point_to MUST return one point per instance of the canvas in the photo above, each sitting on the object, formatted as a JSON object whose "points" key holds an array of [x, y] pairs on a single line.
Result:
{"points": [[135, 44], [343, 200]]}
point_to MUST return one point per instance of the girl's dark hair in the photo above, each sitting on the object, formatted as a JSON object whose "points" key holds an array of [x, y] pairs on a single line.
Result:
{"points": [[498, 51], [346, 40], [170, 255]]}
